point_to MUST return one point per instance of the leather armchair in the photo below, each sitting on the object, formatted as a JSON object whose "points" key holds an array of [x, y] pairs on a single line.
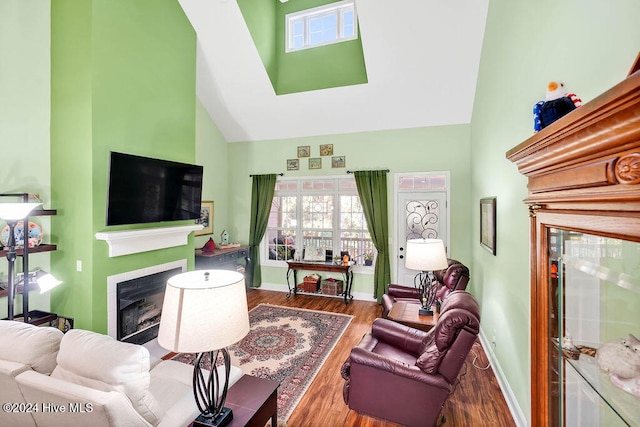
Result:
{"points": [[454, 277], [405, 375]]}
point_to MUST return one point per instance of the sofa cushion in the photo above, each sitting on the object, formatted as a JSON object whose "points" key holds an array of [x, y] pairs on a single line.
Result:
{"points": [[103, 363], [34, 346]]}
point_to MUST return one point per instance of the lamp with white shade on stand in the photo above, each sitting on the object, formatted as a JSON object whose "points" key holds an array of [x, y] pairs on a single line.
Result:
{"points": [[12, 213], [204, 312], [426, 255]]}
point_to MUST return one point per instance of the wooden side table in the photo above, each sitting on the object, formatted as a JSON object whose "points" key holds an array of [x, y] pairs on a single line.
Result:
{"points": [[407, 314], [253, 401]]}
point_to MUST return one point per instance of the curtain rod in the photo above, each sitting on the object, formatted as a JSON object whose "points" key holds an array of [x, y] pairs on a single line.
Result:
{"points": [[386, 170], [279, 174]]}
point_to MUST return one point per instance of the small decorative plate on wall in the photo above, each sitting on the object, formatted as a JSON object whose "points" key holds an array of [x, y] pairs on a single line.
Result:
{"points": [[35, 234]]}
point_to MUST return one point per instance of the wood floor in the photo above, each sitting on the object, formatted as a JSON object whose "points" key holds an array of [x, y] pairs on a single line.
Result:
{"points": [[476, 400]]}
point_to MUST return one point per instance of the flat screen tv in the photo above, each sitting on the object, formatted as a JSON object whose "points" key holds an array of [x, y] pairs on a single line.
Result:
{"points": [[145, 190]]}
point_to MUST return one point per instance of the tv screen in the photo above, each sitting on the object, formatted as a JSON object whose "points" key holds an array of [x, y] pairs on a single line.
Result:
{"points": [[144, 190]]}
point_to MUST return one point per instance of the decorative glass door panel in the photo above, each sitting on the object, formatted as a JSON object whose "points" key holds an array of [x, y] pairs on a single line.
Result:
{"points": [[424, 216], [594, 290]]}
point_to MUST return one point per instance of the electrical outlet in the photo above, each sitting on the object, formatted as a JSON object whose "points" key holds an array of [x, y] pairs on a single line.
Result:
{"points": [[78, 265], [493, 338]]}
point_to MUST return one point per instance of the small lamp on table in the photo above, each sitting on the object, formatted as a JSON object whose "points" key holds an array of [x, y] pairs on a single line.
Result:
{"points": [[426, 255], [205, 311]]}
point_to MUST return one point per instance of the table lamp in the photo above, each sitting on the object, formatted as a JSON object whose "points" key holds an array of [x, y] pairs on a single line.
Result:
{"points": [[12, 213], [205, 311], [426, 255]]}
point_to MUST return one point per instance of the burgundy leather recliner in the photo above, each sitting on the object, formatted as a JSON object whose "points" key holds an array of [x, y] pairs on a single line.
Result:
{"points": [[405, 375], [454, 277]]}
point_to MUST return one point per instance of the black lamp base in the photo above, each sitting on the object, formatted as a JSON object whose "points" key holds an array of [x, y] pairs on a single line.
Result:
{"points": [[425, 312], [221, 420]]}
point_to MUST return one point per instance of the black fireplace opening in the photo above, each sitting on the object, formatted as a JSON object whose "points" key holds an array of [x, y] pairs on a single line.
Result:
{"points": [[140, 306]]}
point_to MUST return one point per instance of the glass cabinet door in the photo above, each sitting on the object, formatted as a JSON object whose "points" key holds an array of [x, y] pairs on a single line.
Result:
{"points": [[594, 285]]}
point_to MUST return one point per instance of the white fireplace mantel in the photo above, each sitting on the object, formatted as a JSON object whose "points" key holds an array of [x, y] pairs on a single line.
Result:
{"points": [[128, 242]]}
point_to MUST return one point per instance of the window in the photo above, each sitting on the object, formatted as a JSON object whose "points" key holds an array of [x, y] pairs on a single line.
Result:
{"points": [[317, 212], [331, 23]]}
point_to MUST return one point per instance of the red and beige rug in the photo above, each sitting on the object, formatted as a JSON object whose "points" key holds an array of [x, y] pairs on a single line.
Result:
{"points": [[287, 345]]}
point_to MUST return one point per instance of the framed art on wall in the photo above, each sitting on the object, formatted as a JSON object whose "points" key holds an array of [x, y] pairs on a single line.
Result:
{"points": [[315, 163], [488, 224], [326, 149], [293, 164], [206, 219], [337, 162], [304, 151]]}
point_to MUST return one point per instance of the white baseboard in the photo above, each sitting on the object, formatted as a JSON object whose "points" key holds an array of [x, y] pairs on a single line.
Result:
{"points": [[360, 296], [516, 412]]}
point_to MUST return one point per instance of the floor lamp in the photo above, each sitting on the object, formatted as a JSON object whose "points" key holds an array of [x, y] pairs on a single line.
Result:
{"points": [[12, 213], [204, 312], [426, 255]]}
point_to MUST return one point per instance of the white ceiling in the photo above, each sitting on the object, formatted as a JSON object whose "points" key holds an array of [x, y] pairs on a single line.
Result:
{"points": [[422, 59]]}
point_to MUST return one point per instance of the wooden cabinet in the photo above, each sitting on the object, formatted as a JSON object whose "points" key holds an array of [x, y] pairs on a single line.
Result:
{"points": [[236, 259], [583, 176]]}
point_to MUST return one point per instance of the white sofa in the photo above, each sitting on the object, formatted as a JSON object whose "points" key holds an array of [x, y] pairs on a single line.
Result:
{"points": [[96, 381], [23, 347]]}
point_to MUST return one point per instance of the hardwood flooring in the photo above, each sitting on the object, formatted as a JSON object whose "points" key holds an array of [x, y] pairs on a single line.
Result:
{"points": [[476, 400]]}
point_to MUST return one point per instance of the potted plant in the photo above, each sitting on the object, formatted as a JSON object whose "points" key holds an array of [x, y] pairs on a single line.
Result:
{"points": [[368, 258]]}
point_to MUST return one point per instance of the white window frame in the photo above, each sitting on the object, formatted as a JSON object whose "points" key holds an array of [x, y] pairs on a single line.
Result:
{"points": [[338, 9], [299, 235]]}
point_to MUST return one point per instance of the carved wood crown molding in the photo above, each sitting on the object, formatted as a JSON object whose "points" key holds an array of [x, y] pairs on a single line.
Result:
{"points": [[627, 170], [591, 154]]}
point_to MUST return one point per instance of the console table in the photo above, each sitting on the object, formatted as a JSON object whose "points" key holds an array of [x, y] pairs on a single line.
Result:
{"points": [[294, 266], [225, 259]]}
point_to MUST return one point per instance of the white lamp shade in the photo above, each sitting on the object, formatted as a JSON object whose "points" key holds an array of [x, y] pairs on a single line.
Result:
{"points": [[46, 282], [16, 211], [425, 255], [203, 310]]}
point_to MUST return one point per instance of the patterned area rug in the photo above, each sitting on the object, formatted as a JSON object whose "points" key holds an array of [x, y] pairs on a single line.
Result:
{"points": [[287, 345]]}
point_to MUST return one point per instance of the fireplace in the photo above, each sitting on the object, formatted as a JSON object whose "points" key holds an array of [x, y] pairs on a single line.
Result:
{"points": [[134, 301], [139, 306]]}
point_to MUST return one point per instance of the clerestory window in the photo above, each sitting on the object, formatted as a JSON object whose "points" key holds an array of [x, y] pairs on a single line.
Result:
{"points": [[331, 23]]}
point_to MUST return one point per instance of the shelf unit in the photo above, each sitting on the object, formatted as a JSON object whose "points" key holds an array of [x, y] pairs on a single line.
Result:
{"points": [[583, 175], [24, 252]]}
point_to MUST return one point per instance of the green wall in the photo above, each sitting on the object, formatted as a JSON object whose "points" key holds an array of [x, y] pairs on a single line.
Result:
{"points": [[444, 148], [590, 45], [123, 79], [24, 119], [212, 152]]}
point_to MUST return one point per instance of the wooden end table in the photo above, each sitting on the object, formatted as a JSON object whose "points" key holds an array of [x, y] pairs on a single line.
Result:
{"points": [[407, 314], [253, 401]]}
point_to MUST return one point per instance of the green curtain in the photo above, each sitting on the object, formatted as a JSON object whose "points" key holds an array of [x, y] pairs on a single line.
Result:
{"points": [[372, 188], [262, 191]]}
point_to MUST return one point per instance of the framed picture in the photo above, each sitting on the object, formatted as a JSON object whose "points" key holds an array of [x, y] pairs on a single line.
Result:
{"points": [[206, 218], [304, 151], [337, 162], [315, 163], [488, 224], [314, 253], [293, 164], [326, 149]]}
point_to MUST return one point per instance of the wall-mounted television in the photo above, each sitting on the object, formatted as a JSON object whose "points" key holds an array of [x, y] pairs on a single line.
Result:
{"points": [[145, 190]]}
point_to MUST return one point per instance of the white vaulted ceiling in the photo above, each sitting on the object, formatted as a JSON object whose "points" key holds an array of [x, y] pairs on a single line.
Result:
{"points": [[422, 59]]}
